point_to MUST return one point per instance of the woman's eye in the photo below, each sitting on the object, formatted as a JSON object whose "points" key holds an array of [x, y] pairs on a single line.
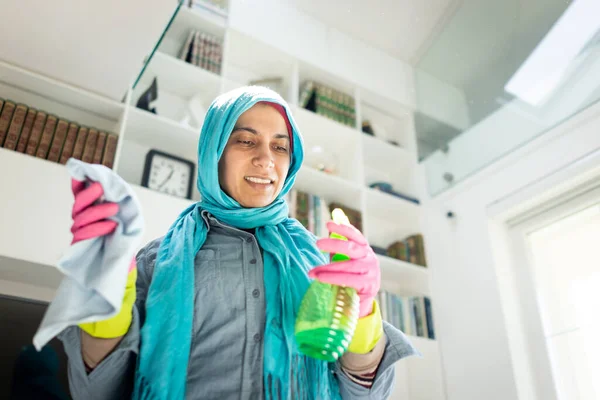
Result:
{"points": [[247, 142], [280, 148]]}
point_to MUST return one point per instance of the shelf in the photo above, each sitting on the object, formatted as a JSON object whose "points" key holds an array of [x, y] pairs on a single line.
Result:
{"points": [[28, 280], [178, 83], [386, 126], [188, 19], [332, 188], [338, 141], [160, 132], [384, 205], [403, 278], [390, 219], [385, 162], [381, 153], [181, 78], [58, 98]]}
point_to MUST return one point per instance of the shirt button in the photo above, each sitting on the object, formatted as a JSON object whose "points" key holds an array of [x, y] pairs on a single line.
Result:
{"points": [[253, 261], [257, 337], [256, 293], [248, 240]]}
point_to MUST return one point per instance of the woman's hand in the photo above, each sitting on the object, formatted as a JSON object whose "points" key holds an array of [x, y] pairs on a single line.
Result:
{"points": [[361, 272], [91, 215], [91, 218]]}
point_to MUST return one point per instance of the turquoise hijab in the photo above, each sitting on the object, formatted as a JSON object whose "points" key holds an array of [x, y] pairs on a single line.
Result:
{"points": [[289, 251]]}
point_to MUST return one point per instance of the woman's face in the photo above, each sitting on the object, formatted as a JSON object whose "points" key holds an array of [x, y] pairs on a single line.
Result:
{"points": [[256, 159]]}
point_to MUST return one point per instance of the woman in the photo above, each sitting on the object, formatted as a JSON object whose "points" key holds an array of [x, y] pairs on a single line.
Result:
{"points": [[216, 298]]}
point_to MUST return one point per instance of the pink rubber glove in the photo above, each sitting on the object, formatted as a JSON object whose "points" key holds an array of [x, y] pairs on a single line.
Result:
{"points": [[361, 272], [90, 214]]}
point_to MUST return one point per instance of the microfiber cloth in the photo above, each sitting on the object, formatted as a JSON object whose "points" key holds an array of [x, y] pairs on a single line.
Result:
{"points": [[95, 270]]}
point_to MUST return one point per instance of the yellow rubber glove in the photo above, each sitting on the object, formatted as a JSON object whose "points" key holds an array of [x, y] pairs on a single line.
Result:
{"points": [[119, 324], [368, 332]]}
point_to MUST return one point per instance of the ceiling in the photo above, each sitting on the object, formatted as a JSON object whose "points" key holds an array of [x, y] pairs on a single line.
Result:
{"points": [[401, 28]]}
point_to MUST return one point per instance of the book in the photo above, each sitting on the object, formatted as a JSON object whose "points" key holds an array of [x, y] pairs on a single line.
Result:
{"points": [[111, 149], [410, 249], [302, 208], [26, 131], [47, 135], [58, 141], [99, 150], [69, 145], [306, 92], [429, 316], [36, 133], [90, 146], [328, 102], [16, 124], [203, 50], [5, 118], [80, 143]]}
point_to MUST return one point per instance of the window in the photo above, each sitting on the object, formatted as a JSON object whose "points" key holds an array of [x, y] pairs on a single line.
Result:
{"points": [[565, 268]]}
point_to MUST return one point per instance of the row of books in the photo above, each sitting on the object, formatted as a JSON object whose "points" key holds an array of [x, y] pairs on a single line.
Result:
{"points": [[328, 102], [411, 314], [313, 211], [203, 50], [411, 249], [40, 134]]}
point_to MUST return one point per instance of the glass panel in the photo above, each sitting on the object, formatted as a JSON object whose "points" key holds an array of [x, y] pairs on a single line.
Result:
{"points": [[498, 74]]}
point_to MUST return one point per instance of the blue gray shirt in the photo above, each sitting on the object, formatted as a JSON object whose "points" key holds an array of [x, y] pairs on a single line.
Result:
{"points": [[226, 357]]}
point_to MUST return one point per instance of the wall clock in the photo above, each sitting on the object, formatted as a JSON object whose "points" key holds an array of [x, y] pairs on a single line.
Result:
{"points": [[168, 174]]}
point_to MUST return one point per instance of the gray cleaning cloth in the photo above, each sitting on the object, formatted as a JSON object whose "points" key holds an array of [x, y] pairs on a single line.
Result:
{"points": [[95, 270]]}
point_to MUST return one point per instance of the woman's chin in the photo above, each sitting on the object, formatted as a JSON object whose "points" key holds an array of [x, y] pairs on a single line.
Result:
{"points": [[256, 201]]}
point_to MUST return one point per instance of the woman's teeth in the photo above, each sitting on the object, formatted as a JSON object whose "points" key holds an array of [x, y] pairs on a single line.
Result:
{"points": [[258, 180]]}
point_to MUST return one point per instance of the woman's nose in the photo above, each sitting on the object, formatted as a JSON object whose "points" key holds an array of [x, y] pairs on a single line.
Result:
{"points": [[263, 157]]}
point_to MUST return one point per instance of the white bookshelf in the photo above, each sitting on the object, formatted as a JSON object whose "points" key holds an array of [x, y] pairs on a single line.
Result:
{"points": [[361, 160]]}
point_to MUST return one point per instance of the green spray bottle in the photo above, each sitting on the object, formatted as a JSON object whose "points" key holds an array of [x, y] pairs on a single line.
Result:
{"points": [[328, 313]]}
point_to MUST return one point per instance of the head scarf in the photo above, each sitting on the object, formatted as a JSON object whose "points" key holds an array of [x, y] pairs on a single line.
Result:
{"points": [[289, 251]]}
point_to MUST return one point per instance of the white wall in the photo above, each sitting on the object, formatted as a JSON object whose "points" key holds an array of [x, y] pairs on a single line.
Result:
{"points": [[474, 337]]}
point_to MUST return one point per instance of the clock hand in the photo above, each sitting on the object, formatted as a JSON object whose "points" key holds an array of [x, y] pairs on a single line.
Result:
{"points": [[167, 180]]}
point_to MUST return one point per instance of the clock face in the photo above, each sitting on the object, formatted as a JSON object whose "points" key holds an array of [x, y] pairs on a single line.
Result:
{"points": [[169, 176]]}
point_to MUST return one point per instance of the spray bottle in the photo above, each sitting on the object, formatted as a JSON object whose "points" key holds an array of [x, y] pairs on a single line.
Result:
{"points": [[328, 313]]}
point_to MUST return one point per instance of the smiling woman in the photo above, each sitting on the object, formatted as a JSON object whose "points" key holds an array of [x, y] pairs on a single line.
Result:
{"points": [[220, 292], [256, 160]]}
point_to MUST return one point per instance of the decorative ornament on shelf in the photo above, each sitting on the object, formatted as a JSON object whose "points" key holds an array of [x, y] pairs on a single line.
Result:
{"points": [[149, 96], [322, 160], [387, 188], [367, 128], [168, 174]]}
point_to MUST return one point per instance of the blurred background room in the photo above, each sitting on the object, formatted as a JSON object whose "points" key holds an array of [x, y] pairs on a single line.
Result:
{"points": [[462, 137]]}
